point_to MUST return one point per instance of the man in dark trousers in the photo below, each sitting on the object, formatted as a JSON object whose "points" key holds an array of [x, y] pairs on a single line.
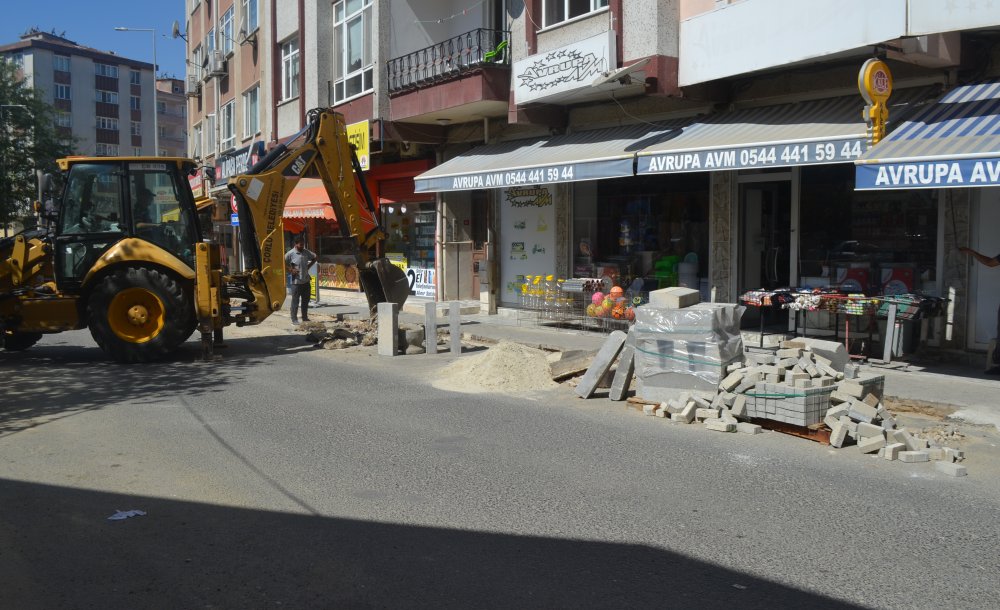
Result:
{"points": [[297, 262], [992, 359]]}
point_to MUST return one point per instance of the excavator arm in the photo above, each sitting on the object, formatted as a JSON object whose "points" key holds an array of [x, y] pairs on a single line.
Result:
{"points": [[321, 150]]}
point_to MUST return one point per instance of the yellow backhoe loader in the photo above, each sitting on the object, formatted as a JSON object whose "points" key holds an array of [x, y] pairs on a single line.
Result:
{"points": [[125, 256]]}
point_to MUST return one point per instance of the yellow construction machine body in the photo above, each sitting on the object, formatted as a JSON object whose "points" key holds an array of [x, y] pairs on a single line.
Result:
{"points": [[125, 256]]}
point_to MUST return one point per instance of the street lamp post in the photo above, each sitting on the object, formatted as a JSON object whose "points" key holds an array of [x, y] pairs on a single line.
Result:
{"points": [[3, 158], [156, 110]]}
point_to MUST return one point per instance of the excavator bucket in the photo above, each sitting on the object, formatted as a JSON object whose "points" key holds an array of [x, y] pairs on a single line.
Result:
{"points": [[384, 282]]}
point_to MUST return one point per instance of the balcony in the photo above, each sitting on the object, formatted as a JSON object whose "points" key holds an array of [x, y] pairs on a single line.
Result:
{"points": [[464, 78], [449, 59]]}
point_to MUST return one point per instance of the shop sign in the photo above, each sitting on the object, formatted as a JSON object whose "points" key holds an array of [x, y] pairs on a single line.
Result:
{"points": [[237, 162], [398, 259], [357, 134], [568, 172], [421, 281], [779, 155], [529, 197], [928, 174], [234, 219], [565, 69], [197, 184]]}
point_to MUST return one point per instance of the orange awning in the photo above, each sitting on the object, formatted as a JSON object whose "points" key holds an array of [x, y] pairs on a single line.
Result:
{"points": [[309, 200]]}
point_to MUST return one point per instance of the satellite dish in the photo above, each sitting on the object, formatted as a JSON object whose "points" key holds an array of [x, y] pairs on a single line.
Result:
{"points": [[176, 30]]}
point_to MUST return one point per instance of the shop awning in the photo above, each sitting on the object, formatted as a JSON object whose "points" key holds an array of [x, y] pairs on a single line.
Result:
{"points": [[584, 155], [952, 143], [309, 200], [804, 133]]}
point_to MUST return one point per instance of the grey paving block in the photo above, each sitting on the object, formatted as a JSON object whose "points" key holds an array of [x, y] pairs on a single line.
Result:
{"points": [[952, 469], [626, 368], [455, 326], [430, 328], [388, 329], [601, 364]]}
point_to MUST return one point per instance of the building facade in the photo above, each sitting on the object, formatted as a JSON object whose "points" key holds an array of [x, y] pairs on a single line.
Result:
{"points": [[103, 101], [226, 86], [171, 110]]}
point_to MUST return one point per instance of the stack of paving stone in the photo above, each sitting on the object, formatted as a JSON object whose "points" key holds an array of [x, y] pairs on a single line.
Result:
{"points": [[799, 386]]}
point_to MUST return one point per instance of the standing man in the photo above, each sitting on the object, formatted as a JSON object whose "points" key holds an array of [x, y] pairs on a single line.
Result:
{"points": [[992, 360], [297, 261]]}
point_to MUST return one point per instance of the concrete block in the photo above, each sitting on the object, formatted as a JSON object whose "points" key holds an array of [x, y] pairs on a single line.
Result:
{"points": [[936, 453], [892, 450], [871, 444], [731, 381], [728, 398], [600, 365], [789, 352], [888, 421], [833, 351], [734, 367], [746, 386], [911, 457], [881, 453], [830, 421], [625, 370], [837, 397], [838, 435], [852, 389], [773, 378], [851, 371], [913, 443], [388, 329], [675, 297], [739, 408], [821, 360], [861, 412], [872, 401], [455, 326], [866, 430], [719, 425], [899, 435], [727, 416], [686, 415], [748, 428], [701, 414], [827, 370], [674, 405], [951, 469], [813, 371], [717, 402], [792, 343], [660, 413], [649, 409], [430, 328], [803, 383], [950, 455], [837, 410], [700, 402]]}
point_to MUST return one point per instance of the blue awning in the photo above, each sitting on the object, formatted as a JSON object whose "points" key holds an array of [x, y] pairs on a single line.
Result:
{"points": [[953, 143]]}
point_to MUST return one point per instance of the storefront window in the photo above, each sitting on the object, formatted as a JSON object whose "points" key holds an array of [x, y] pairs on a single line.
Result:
{"points": [[410, 229], [644, 233], [875, 242]]}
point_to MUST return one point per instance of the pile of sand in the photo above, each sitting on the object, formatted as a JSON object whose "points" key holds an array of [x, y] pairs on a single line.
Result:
{"points": [[505, 367]]}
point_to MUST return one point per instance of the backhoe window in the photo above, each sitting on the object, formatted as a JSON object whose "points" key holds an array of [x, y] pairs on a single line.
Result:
{"points": [[159, 212], [93, 200]]}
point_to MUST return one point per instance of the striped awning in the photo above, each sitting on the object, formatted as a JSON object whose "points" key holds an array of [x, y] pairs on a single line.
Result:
{"points": [[584, 155], [804, 133], [952, 143], [309, 200]]}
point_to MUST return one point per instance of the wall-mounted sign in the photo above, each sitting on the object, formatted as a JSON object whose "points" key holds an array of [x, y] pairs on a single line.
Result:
{"points": [[357, 134], [565, 69], [741, 157], [237, 162]]}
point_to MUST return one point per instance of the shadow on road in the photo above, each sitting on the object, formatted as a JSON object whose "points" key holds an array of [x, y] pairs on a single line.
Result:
{"points": [[53, 381], [58, 550]]}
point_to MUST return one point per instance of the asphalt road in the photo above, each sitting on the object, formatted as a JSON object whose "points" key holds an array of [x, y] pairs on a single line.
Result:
{"points": [[284, 476]]}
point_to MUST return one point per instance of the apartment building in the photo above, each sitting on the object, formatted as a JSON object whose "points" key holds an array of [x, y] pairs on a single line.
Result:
{"points": [[226, 87], [101, 99], [171, 109]]}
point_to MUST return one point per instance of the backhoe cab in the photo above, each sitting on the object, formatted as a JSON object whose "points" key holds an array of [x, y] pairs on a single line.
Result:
{"points": [[125, 256]]}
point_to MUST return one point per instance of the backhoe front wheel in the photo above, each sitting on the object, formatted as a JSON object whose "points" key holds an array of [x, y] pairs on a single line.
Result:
{"points": [[139, 314]]}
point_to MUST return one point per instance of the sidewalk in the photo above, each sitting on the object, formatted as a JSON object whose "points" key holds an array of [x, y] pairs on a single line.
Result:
{"points": [[974, 394]]}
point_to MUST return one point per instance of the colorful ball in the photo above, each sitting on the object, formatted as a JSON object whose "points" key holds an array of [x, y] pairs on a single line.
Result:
{"points": [[616, 292], [607, 303], [618, 312], [597, 298], [630, 313], [592, 311]]}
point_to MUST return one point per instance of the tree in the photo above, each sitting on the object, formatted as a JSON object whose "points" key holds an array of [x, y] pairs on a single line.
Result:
{"points": [[29, 140]]}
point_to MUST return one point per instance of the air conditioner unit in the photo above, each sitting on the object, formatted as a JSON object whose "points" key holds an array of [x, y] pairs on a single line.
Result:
{"points": [[193, 86], [217, 64]]}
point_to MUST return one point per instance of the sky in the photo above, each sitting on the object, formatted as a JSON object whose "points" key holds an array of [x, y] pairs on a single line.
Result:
{"points": [[92, 24]]}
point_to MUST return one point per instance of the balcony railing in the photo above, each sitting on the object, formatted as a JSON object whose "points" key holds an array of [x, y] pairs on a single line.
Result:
{"points": [[448, 59]]}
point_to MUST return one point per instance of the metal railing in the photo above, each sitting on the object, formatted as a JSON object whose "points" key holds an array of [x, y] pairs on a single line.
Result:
{"points": [[450, 58]]}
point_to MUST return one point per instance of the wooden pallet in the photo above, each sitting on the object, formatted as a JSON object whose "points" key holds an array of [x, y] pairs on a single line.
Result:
{"points": [[816, 432]]}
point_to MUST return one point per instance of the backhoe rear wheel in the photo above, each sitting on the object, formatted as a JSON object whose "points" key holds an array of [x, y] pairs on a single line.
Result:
{"points": [[138, 314], [14, 341]]}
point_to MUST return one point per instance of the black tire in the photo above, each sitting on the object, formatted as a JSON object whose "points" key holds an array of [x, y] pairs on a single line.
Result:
{"points": [[138, 314], [14, 341]]}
